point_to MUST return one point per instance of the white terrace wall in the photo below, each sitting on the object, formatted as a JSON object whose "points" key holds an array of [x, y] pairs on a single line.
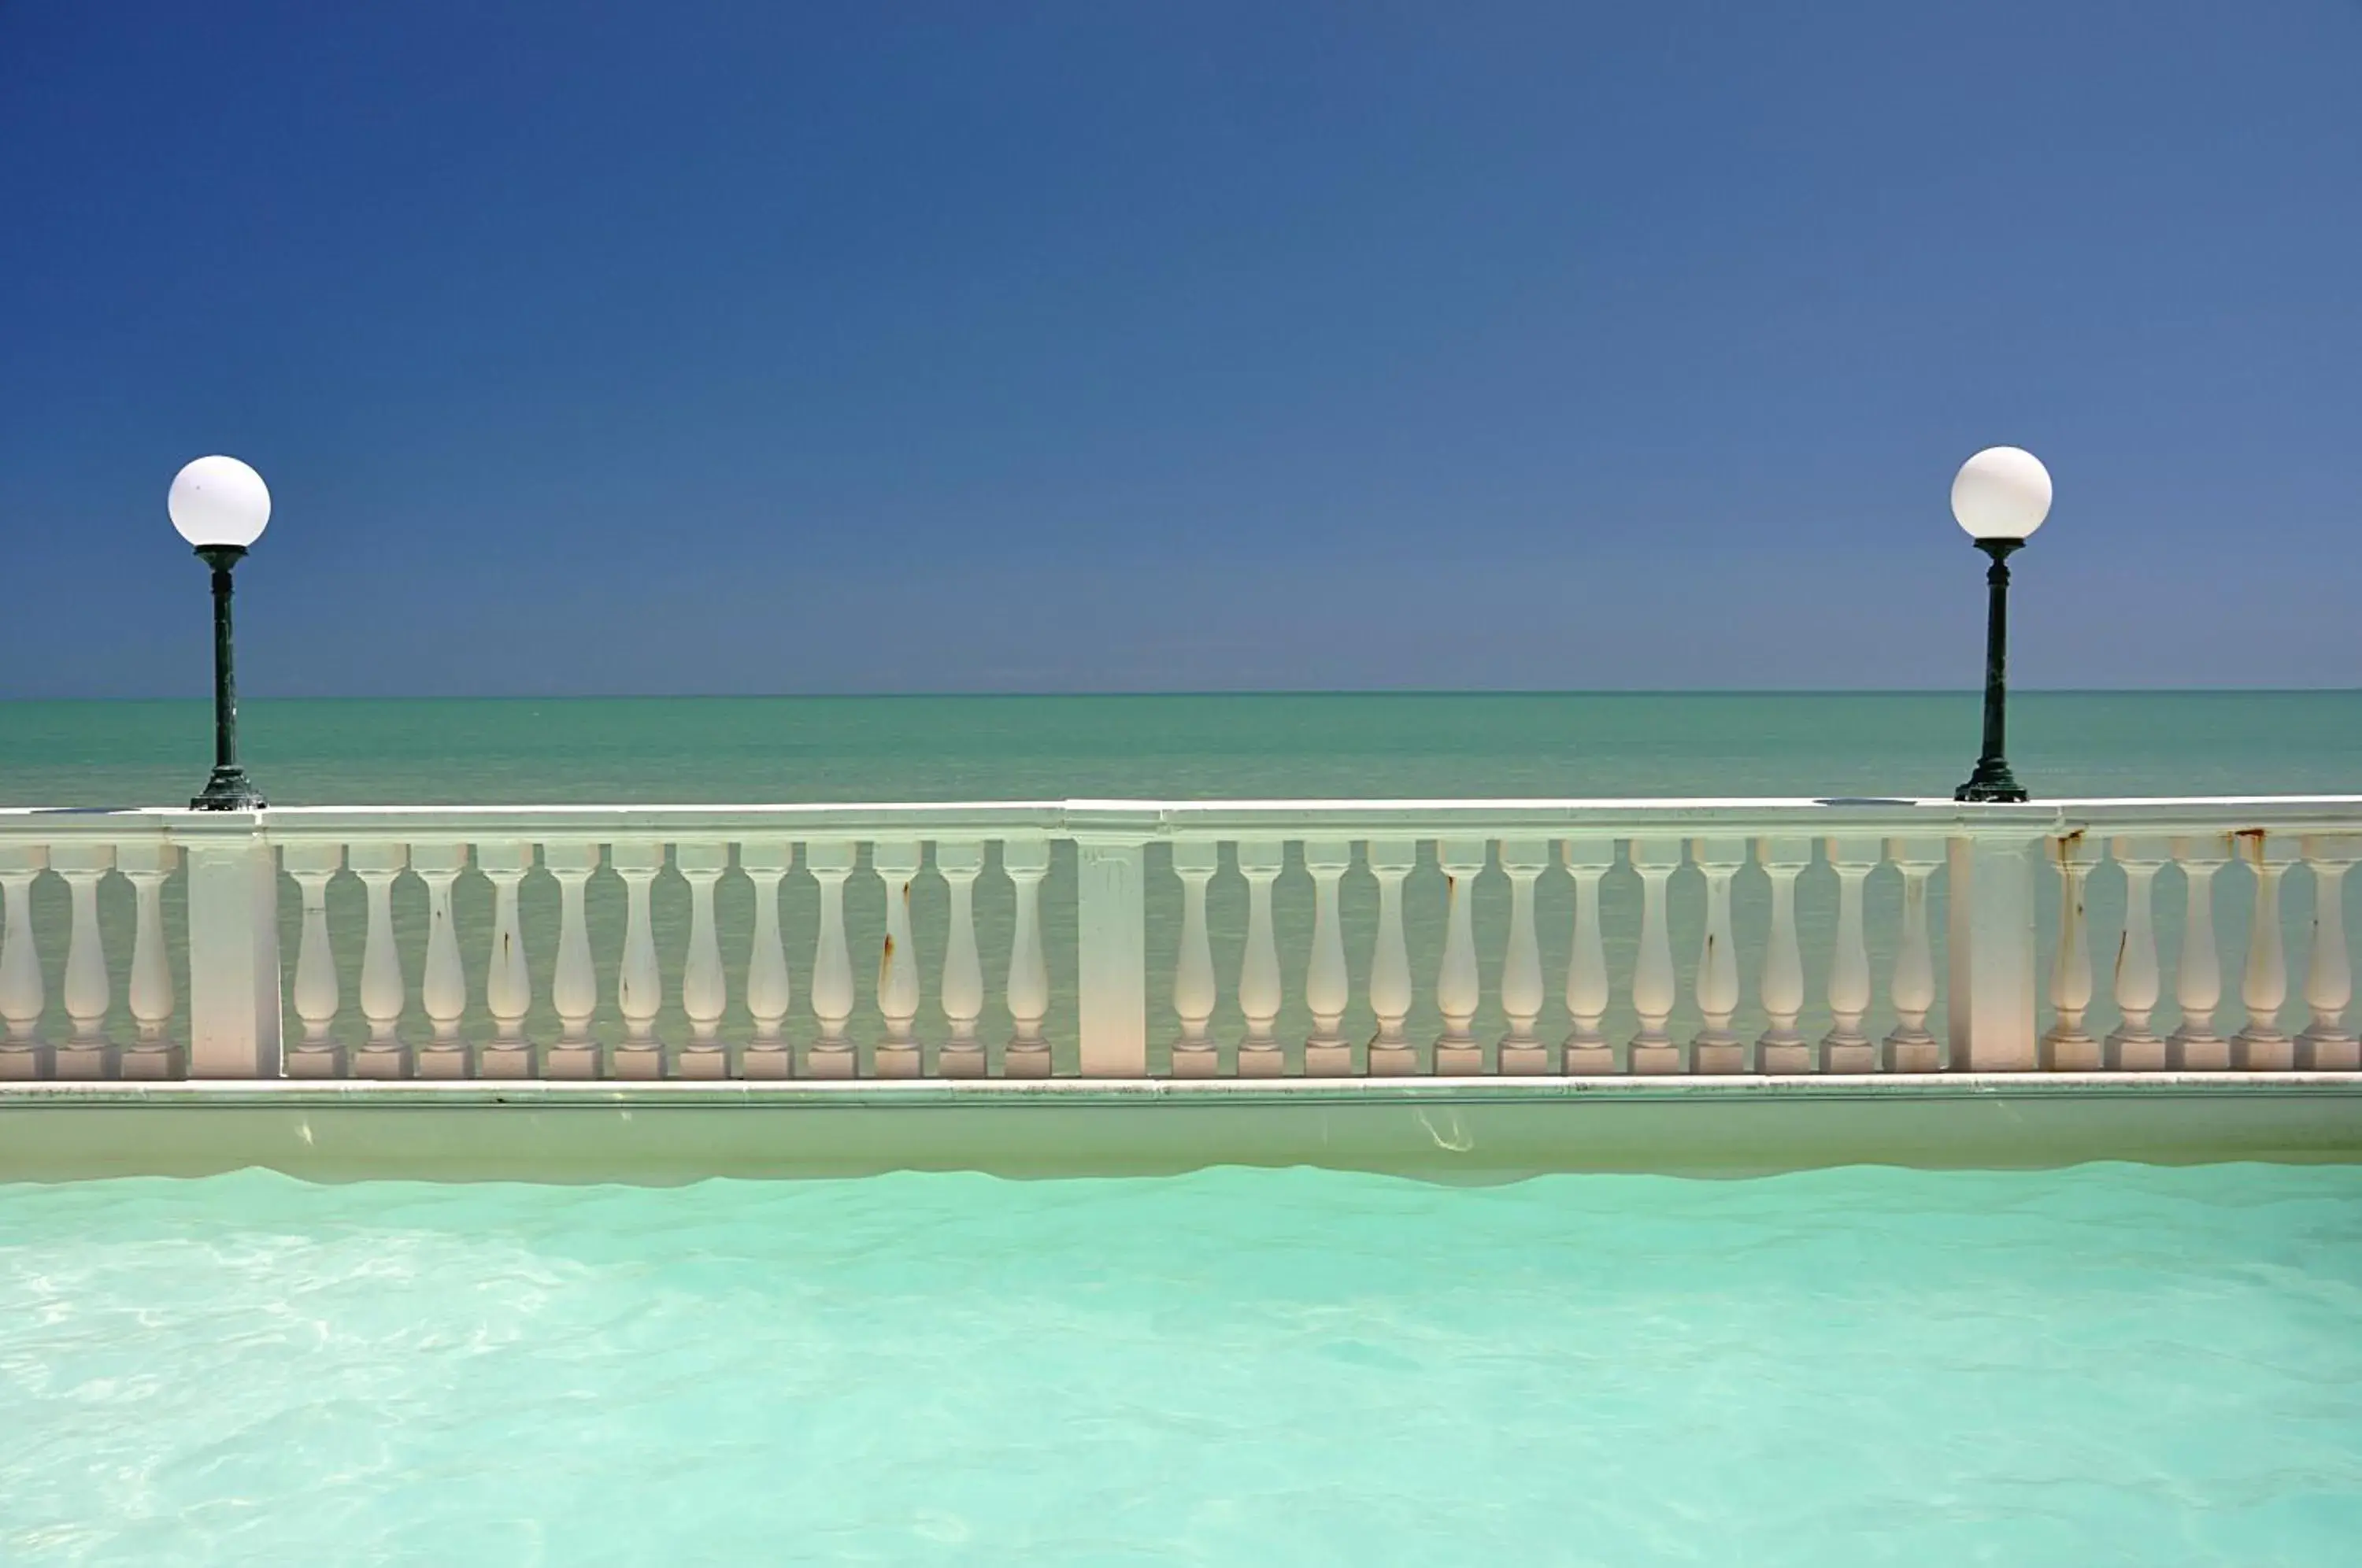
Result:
{"points": [[1128, 940]]}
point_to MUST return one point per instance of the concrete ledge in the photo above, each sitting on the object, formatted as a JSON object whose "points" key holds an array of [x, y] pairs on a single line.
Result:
{"points": [[1486, 1129], [1488, 1087]]}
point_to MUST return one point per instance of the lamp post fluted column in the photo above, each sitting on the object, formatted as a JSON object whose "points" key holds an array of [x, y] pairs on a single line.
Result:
{"points": [[228, 788], [1992, 780]]}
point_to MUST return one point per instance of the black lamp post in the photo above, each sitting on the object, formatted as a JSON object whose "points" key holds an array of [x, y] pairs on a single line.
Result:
{"points": [[221, 506], [2001, 497]]}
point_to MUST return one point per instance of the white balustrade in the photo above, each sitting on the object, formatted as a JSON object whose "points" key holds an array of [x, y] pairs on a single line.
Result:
{"points": [[2134, 1045], [313, 866], [770, 990], [1327, 987], [146, 865], [1653, 1050], [80, 1024], [2197, 982], [959, 864], [1391, 1054], [705, 995], [2328, 1043], [1194, 862], [1523, 861], [2260, 1046], [574, 985], [1909, 1047], [2065, 1046], [1781, 1047], [896, 862], [1457, 990], [1714, 1049], [1260, 861], [1026, 862], [21, 998], [639, 985], [444, 991], [1846, 1048], [1587, 1049], [384, 989], [83, 1054], [832, 983], [508, 979]]}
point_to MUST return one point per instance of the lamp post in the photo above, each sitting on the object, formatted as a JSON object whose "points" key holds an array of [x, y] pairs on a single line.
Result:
{"points": [[221, 506], [2001, 497]]}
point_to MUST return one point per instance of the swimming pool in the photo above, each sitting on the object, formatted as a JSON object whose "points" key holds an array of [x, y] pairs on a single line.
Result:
{"points": [[2105, 1363]]}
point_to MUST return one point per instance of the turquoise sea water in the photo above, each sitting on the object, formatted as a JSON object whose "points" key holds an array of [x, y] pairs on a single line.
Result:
{"points": [[2108, 1365], [933, 748]]}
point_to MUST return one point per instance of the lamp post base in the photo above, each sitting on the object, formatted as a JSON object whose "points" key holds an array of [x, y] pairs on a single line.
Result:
{"points": [[1990, 781], [227, 790]]}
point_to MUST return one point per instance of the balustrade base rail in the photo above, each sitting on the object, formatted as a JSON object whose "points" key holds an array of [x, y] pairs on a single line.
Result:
{"points": [[1482, 1129]]}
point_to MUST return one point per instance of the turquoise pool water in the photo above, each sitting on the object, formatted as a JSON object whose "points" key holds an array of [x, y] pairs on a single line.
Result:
{"points": [[2105, 1365]]}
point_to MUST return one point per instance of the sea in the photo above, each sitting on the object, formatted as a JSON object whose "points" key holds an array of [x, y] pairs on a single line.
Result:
{"points": [[1238, 747]]}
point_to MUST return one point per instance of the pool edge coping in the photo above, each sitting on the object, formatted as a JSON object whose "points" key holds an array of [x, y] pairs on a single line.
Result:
{"points": [[197, 1094]]}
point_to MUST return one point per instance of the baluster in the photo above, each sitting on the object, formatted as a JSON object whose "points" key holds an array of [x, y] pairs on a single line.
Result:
{"points": [[1653, 1050], [508, 982], [1845, 1048], [2260, 1046], [1458, 990], [1781, 1047], [1026, 862], [1260, 861], [704, 992], [2327, 1042], [88, 995], [832, 983], [1390, 1053], [769, 992], [2198, 978], [314, 865], [147, 865], [2132, 1045], [896, 863], [639, 985], [961, 1055], [1587, 1049], [574, 985], [1714, 1049], [1327, 990], [1194, 862], [1910, 1048], [21, 998], [2066, 1046], [1521, 1051], [384, 989], [445, 990]]}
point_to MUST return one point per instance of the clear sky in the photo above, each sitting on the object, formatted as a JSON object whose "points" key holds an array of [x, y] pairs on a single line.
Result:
{"points": [[768, 348]]}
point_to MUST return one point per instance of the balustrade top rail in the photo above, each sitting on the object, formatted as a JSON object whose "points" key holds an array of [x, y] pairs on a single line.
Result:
{"points": [[1154, 820]]}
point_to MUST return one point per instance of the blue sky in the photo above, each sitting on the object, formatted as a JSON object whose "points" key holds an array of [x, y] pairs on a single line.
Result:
{"points": [[738, 348]]}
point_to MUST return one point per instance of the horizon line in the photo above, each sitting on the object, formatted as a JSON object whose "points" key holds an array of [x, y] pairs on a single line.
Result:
{"points": [[1633, 692]]}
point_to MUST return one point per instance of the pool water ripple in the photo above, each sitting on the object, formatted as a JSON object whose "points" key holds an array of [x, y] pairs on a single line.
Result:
{"points": [[2105, 1365]]}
